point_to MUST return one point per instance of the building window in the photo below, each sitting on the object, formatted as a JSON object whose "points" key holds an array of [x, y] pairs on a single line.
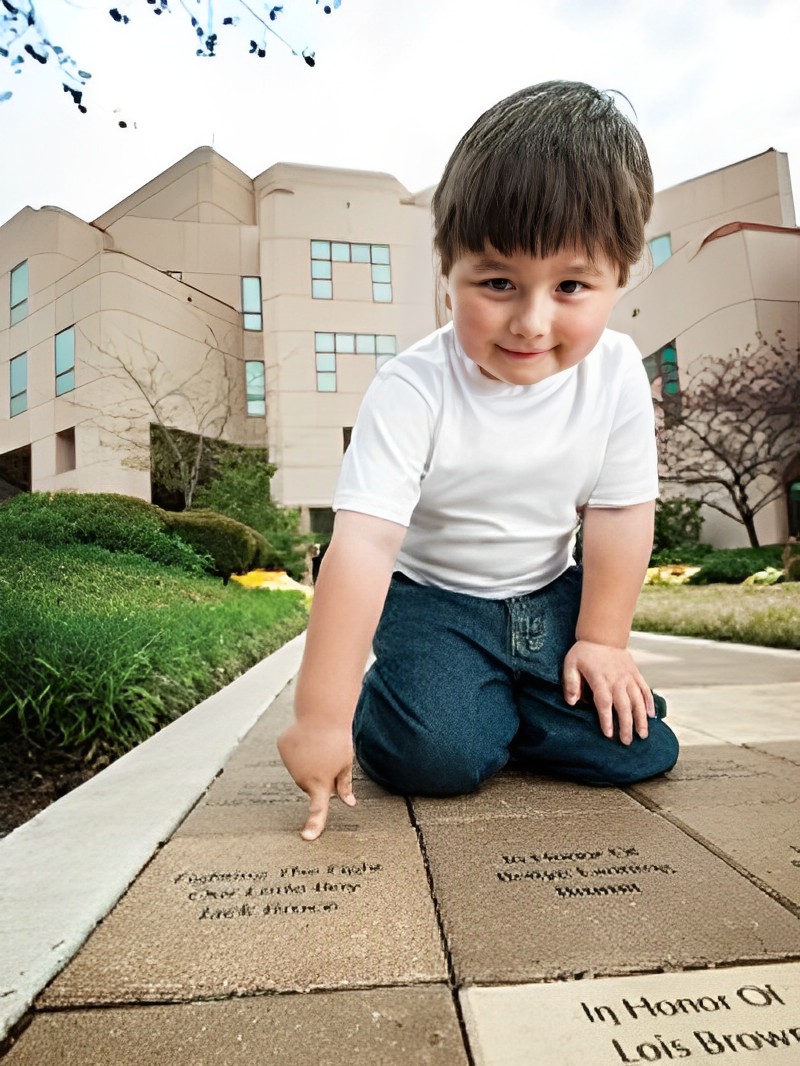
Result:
{"points": [[251, 303], [660, 249], [65, 451], [328, 345], [325, 357], [65, 361], [256, 388], [18, 371], [19, 292], [325, 253], [662, 367]]}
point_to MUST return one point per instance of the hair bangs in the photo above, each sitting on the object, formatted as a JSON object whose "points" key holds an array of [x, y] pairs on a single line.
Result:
{"points": [[555, 166]]}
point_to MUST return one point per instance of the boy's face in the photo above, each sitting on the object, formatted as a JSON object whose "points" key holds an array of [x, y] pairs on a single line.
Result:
{"points": [[523, 319]]}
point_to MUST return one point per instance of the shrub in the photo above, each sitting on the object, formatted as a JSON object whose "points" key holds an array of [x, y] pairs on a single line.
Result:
{"points": [[689, 554], [111, 521], [678, 522], [791, 560], [234, 548], [734, 565], [241, 489]]}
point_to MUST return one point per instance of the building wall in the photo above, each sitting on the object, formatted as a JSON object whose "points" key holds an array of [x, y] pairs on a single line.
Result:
{"points": [[295, 206], [734, 274], [153, 288]]}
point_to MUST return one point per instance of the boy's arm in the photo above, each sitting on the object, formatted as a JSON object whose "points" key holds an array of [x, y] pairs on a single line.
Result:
{"points": [[616, 549], [354, 577]]}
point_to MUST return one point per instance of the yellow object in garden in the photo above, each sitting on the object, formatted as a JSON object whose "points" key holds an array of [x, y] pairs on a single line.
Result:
{"points": [[768, 576], [271, 579], [669, 575]]}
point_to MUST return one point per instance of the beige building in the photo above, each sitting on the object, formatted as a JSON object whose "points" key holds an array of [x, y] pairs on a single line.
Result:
{"points": [[258, 310], [724, 267]]}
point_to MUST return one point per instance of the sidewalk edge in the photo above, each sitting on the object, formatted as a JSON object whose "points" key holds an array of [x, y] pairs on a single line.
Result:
{"points": [[63, 871]]}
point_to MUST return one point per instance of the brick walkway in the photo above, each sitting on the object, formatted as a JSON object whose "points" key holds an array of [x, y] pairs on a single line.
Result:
{"points": [[534, 922]]}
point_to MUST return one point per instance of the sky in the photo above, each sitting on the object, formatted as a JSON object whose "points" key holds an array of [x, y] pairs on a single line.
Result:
{"points": [[395, 85]]}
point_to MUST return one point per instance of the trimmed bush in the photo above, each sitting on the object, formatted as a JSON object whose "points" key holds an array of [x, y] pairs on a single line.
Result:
{"points": [[678, 523], [233, 547], [791, 560], [689, 554], [734, 565], [111, 521]]}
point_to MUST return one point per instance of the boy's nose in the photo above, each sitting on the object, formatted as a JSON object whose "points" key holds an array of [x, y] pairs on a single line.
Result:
{"points": [[531, 318]]}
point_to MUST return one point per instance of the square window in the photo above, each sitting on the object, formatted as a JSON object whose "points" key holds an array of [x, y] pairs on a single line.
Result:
{"points": [[380, 253], [359, 253], [386, 345], [326, 382], [345, 342], [19, 292], [65, 361], [18, 381], [255, 383], [251, 295], [365, 343], [65, 350], [326, 361], [340, 252], [65, 451], [65, 382], [320, 249], [660, 249], [252, 322], [381, 294], [381, 273], [323, 342], [322, 290], [321, 268]]}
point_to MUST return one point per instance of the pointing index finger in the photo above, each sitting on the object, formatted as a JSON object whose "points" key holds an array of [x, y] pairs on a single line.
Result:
{"points": [[317, 814]]}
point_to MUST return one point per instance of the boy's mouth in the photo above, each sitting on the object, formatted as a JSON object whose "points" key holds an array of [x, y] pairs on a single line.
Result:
{"points": [[524, 355]]}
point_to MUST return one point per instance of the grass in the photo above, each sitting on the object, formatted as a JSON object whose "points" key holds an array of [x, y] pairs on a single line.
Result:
{"points": [[766, 615], [98, 650]]}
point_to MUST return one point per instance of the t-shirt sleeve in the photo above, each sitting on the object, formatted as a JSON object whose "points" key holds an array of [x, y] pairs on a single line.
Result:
{"points": [[629, 474], [389, 450]]}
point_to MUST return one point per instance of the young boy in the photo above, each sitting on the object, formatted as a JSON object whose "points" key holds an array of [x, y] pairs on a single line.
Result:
{"points": [[474, 455]]}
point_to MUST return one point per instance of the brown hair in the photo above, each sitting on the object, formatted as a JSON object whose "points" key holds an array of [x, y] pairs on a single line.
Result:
{"points": [[553, 166]]}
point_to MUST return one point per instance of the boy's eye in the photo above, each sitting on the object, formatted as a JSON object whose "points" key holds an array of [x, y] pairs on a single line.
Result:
{"points": [[498, 284], [571, 287]]}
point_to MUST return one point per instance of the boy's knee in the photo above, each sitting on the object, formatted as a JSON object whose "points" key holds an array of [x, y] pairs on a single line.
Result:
{"points": [[647, 758], [423, 768]]}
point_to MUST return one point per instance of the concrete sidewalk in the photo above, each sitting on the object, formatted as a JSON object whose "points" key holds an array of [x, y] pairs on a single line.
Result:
{"points": [[536, 922]]}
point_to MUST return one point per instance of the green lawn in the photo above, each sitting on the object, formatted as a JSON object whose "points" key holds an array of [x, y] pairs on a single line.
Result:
{"points": [[99, 649], [748, 614]]}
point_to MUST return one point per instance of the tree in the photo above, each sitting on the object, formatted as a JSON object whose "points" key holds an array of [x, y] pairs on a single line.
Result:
{"points": [[24, 37], [186, 411], [731, 433]]}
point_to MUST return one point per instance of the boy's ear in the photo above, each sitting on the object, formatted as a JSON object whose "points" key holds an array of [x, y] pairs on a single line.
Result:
{"points": [[447, 302]]}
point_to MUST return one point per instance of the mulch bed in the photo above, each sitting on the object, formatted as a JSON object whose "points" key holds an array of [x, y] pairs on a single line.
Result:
{"points": [[31, 780]]}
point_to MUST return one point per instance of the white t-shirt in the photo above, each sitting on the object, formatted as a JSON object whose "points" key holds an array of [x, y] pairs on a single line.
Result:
{"points": [[488, 477]]}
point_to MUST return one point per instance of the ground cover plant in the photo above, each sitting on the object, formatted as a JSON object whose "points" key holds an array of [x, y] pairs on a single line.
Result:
{"points": [[101, 648]]}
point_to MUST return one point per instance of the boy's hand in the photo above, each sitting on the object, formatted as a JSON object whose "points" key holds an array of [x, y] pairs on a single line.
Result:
{"points": [[320, 759], [616, 686]]}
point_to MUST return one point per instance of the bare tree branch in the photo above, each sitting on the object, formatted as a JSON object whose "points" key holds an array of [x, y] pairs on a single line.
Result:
{"points": [[735, 429]]}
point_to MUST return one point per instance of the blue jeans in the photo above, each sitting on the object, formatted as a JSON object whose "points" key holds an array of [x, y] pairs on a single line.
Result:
{"points": [[462, 686]]}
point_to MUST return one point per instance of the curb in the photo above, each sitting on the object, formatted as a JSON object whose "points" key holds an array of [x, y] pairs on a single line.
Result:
{"points": [[63, 871]]}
